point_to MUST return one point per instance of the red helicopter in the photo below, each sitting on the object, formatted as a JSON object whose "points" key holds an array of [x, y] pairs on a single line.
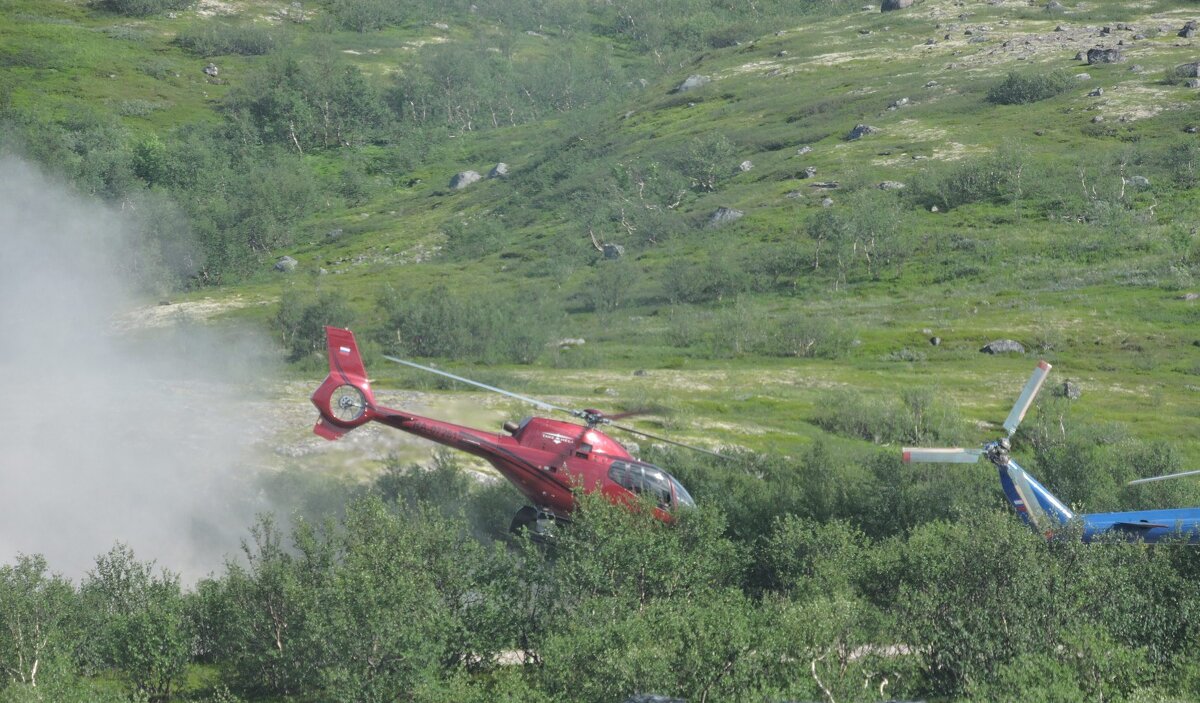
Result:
{"points": [[545, 459]]}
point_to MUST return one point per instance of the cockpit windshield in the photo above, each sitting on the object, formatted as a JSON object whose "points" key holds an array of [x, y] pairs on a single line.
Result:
{"points": [[643, 478]]}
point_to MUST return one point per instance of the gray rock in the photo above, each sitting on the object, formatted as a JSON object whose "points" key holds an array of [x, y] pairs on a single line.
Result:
{"points": [[809, 172], [898, 103], [979, 39], [212, 70], [860, 131], [1193, 83], [1188, 70], [1003, 346], [569, 342], [691, 83], [500, 170], [1139, 182], [1189, 296], [932, 84], [1060, 28], [1097, 119], [1096, 93], [1055, 6], [334, 233], [1081, 56], [464, 179], [285, 264], [890, 5], [891, 185], [803, 150], [723, 216], [1069, 389], [1083, 76], [1191, 129], [935, 341], [827, 202], [746, 165], [930, 41], [652, 698], [613, 251], [1101, 55], [1189, 29]]}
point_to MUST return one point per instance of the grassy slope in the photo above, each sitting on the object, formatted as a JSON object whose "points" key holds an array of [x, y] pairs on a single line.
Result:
{"points": [[1115, 325]]}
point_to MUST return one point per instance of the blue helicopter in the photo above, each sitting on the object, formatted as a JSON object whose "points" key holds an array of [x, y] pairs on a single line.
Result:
{"points": [[1045, 513]]}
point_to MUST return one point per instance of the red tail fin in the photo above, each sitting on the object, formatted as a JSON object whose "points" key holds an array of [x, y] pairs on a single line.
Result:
{"points": [[344, 399]]}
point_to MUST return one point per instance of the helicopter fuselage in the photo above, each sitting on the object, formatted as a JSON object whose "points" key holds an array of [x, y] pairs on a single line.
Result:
{"points": [[547, 460]]}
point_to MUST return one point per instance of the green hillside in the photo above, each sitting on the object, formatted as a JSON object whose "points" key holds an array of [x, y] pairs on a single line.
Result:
{"points": [[687, 192]]}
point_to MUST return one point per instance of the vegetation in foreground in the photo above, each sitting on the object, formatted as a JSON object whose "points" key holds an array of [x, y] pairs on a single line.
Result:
{"points": [[765, 592]]}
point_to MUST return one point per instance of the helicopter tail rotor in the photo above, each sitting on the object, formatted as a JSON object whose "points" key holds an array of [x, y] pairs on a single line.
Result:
{"points": [[344, 399]]}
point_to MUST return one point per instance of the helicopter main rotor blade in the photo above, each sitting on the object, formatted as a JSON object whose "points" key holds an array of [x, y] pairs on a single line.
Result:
{"points": [[533, 401], [630, 430], [1026, 398], [917, 455], [1164, 477]]}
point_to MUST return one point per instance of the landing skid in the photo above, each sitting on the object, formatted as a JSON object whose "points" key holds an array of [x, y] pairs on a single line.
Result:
{"points": [[540, 524]]}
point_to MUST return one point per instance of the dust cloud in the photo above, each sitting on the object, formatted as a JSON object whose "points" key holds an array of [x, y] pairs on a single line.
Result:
{"points": [[108, 435]]}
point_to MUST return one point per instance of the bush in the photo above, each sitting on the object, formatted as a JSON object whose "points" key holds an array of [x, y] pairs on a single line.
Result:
{"points": [[444, 324], [1019, 89], [141, 8], [915, 419], [220, 38], [301, 321]]}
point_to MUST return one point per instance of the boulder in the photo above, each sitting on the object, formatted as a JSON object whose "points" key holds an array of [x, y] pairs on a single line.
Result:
{"points": [[723, 216], [1003, 346], [803, 150], [860, 131], [1101, 55], [890, 5], [1189, 29], [1193, 83], [1055, 6], [463, 179], [334, 233], [1069, 389], [1096, 93], [613, 251], [935, 341], [285, 264], [212, 70], [891, 185], [500, 170], [826, 202], [897, 104], [1188, 70], [569, 342], [809, 172], [691, 83], [1083, 76], [1139, 181], [746, 165]]}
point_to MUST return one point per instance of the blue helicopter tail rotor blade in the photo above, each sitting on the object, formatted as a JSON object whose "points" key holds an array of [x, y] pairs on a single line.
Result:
{"points": [[1026, 398]]}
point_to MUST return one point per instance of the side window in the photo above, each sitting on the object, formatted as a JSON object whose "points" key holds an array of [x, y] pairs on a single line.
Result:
{"points": [[619, 472], [658, 485], [642, 479]]}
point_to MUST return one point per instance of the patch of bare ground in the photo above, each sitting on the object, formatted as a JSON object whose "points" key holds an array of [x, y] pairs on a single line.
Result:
{"points": [[165, 313]]}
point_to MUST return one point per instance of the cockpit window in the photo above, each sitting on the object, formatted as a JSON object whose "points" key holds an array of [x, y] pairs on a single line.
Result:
{"points": [[682, 497], [647, 478]]}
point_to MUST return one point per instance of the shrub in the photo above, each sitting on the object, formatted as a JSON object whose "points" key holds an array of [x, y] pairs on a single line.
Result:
{"points": [[141, 8], [1019, 88], [220, 38]]}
